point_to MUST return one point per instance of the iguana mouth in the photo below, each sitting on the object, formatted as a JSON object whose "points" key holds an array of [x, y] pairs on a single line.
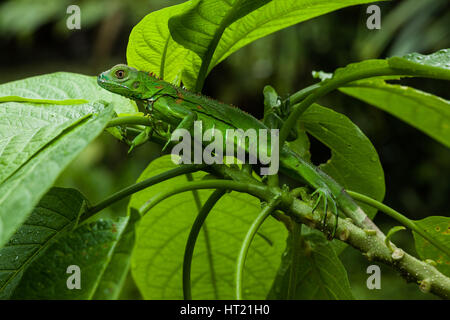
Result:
{"points": [[105, 83]]}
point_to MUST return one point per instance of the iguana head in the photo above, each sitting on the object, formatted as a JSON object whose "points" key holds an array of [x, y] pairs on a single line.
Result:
{"points": [[129, 82]]}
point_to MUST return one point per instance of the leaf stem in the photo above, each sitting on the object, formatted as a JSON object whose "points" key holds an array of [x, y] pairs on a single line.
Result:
{"points": [[268, 209], [389, 235], [193, 235], [198, 203], [184, 169], [302, 94], [250, 188], [399, 217]]}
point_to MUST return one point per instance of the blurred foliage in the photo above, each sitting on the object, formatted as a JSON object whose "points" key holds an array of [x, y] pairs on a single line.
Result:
{"points": [[35, 40], [429, 18], [40, 27], [23, 18]]}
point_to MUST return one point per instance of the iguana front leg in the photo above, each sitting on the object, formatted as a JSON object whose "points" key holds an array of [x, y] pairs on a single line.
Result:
{"points": [[274, 111], [141, 138], [187, 123], [174, 115]]}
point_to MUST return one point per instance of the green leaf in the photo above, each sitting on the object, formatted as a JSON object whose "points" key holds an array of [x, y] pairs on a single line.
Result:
{"points": [[438, 228], [54, 216], [115, 274], [354, 161], [435, 65], [27, 128], [65, 86], [422, 110], [90, 247], [201, 27], [320, 273], [151, 47], [272, 17], [40, 141], [163, 232], [50, 227]]}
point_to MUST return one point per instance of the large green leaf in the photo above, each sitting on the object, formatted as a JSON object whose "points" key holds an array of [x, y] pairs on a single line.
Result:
{"points": [[38, 254], [27, 128], [200, 28], [54, 216], [438, 228], [274, 16], [320, 273], [354, 161], [64, 86], [90, 247], [151, 45], [422, 110], [435, 65], [21, 128], [163, 232]]}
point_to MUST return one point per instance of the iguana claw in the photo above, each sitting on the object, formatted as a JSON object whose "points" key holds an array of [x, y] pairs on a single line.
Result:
{"points": [[326, 196]]}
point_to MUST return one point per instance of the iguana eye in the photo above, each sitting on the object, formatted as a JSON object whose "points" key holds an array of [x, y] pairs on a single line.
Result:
{"points": [[120, 74]]}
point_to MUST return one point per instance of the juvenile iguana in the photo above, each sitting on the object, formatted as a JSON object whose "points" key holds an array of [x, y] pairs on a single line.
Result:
{"points": [[179, 108]]}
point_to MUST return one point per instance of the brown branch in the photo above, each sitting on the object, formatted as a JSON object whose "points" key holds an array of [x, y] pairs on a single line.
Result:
{"points": [[372, 245]]}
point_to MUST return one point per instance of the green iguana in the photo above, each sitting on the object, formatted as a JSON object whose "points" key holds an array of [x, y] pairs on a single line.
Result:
{"points": [[179, 108]]}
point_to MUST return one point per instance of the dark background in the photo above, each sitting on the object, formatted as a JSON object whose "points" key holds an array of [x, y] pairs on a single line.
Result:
{"points": [[34, 40]]}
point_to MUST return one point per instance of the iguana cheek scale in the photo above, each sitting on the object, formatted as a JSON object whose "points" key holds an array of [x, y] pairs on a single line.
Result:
{"points": [[179, 108]]}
